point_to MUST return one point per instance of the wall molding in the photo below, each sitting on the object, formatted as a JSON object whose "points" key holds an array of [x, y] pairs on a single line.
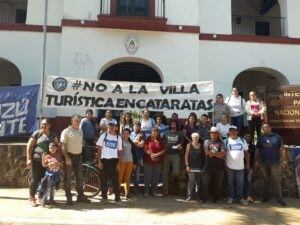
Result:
{"points": [[253, 39], [29, 28]]}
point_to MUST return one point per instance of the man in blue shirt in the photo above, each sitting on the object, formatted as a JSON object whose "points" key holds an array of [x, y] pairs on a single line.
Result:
{"points": [[87, 125], [270, 154]]}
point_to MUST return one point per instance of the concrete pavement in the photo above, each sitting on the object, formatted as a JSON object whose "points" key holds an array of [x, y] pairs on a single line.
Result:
{"points": [[15, 209]]}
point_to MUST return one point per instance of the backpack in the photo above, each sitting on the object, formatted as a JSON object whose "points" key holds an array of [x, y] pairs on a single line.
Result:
{"points": [[241, 100], [105, 138], [226, 141]]}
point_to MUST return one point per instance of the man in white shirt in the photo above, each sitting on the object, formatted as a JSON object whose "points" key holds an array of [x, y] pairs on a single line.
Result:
{"points": [[236, 151], [109, 145]]}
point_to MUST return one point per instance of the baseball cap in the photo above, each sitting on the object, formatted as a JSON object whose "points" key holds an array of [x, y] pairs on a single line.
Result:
{"points": [[232, 128], [213, 130]]}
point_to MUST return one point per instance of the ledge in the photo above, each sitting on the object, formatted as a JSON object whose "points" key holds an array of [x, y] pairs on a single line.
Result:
{"points": [[132, 22], [28, 28], [254, 39], [142, 25]]}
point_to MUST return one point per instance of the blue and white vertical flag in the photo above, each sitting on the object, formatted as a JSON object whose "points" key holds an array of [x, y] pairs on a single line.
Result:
{"points": [[18, 110]]}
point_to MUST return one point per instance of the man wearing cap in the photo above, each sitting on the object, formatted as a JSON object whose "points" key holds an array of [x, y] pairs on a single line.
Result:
{"points": [[214, 165], [109, 145], [236, 152]]}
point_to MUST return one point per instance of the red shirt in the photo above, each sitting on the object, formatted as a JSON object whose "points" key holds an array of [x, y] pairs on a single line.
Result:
{"points": [[154, 147]]}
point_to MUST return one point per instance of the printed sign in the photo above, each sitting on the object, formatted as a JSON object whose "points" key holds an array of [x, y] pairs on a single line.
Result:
{"points": [[100, 94]]}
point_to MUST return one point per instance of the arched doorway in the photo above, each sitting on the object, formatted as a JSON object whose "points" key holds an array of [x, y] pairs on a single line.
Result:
{"points": [[9, 73], [258, 79], [130, 70]]}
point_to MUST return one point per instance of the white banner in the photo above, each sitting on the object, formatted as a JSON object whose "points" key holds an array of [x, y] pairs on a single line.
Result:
{"points": [[115, 95]]}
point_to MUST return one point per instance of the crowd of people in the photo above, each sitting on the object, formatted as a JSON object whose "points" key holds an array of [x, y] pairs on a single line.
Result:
{"points": [[209, 149]]}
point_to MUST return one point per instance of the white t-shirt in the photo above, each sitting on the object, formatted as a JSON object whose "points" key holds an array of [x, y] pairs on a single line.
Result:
{"points": [[235, 153], [223, 129], [110, 144], [236, 105], [104, 121], [147, 125]]}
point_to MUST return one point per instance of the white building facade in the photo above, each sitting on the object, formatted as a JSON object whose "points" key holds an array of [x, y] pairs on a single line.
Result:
{"points": [[251, 44]]}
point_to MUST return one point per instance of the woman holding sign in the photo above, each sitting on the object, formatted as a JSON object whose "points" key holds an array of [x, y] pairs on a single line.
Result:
{"points": [[37, 146]]}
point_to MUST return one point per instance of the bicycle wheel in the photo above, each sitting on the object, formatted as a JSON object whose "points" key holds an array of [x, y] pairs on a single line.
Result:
{"points": [[91, 181]]}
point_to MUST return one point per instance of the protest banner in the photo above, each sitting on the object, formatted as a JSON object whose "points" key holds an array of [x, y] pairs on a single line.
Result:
{"points": [[100, 94], [18, 110]]}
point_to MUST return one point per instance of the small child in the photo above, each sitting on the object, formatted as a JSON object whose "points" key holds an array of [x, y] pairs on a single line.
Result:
{"points": [[248, 173], [52, 175]]}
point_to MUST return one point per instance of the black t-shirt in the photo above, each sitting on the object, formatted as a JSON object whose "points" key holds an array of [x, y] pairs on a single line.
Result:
{"points": [[42, 142], [171, 139], [196, 157], [214, 163]]}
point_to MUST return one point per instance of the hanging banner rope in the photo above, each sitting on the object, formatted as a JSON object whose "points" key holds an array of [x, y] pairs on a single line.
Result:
{"points": [[100, 94]]}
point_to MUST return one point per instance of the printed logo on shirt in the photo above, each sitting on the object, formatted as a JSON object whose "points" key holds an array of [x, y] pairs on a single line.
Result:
{"points": [[172, 139], [267, 144], [214, 147], [111, 144], [236, 147]]}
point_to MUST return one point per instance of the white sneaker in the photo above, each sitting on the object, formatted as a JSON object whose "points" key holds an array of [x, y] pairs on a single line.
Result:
{"points": [[244, 202], [229, 201]]}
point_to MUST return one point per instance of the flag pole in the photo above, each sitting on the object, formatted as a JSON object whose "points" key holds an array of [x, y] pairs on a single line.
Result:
{"points": [[44, 58]]}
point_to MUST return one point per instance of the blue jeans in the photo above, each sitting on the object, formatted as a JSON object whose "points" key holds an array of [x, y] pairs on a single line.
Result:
{"points": [[235, 182], [239, 123], [136, 175], [247, 190], [49, 188], [151, 177]]}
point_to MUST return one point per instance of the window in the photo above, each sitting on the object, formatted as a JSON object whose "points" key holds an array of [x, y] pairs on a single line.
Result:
{"points": [[133, 7], [20, 15], [262, 28]]}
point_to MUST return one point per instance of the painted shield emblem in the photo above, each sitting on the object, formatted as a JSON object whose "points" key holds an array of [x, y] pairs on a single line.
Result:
{"points": [[60, 84], [132, 44]]}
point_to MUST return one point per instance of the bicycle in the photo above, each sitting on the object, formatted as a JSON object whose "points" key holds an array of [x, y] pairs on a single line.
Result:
{"points": [[90, 174]]}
